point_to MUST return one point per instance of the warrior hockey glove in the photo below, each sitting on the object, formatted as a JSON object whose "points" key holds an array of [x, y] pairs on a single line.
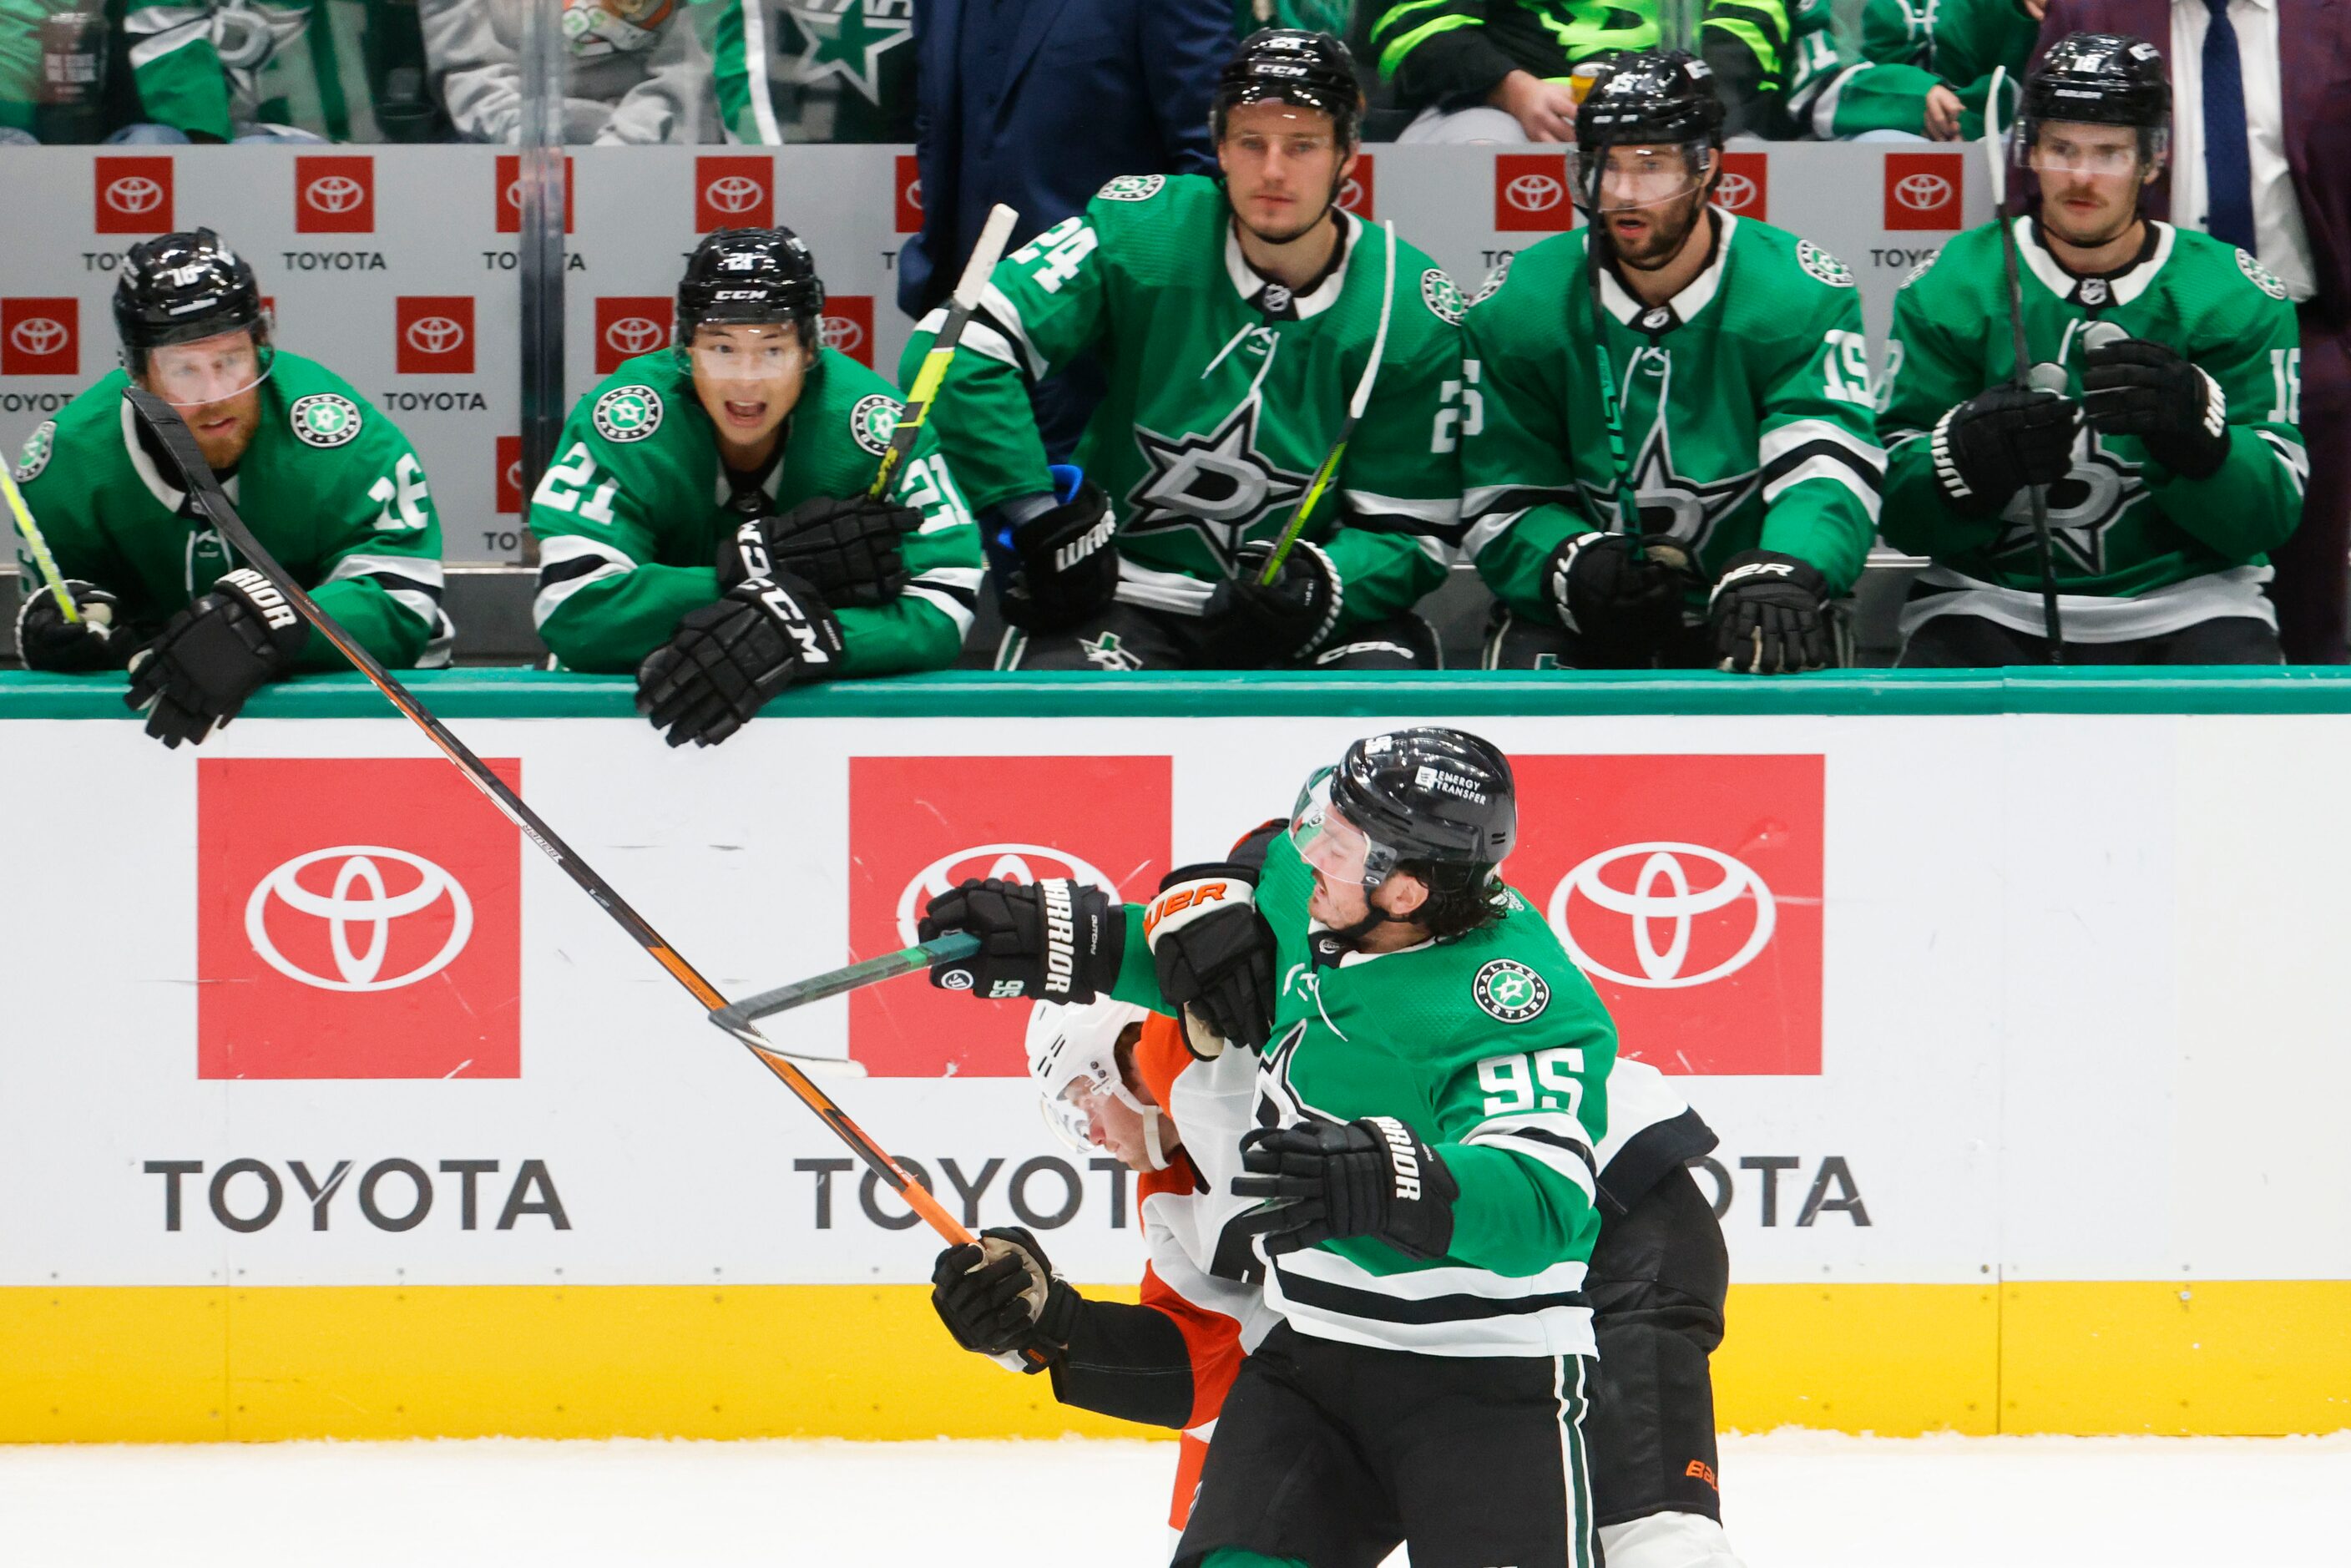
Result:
{"points": [[1213, 953], [999, 1297], [212, 655], [1251, 627], [1611, 590], [2000, 441], [729, 658], [1371, 1178], [1056, 940], [848, 550], [1771, 615], [46, 640], [1055, 565], [2132, 387]]}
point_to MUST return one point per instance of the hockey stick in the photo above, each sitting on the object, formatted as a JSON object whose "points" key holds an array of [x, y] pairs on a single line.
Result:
{"points": [[1996, 154], [926, 390], [40, 546], [1629, 502], [1355, 406], [204, 494], [945, 949]]}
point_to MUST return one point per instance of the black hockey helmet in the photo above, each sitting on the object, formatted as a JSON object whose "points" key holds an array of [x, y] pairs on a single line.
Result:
{"points": [[1290, 65], [1664, 99], [1440, 797], [749, 275], [179, 287], [2099, 79]]}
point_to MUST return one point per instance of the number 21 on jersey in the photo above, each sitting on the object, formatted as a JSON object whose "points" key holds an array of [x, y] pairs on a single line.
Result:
{"points": [[564, 480]]}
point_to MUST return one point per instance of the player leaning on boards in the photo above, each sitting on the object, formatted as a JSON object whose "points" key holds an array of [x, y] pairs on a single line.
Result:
{"points": [[326, 483], [706, 522], [1233, 322], [1732, 361], [2171, 457]]}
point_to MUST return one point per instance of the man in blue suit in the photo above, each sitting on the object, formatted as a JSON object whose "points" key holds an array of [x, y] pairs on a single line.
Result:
{"points": [[1039, 104]]}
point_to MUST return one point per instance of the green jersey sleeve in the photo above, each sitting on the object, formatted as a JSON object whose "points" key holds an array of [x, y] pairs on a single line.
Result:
{"points": [[1822, 468], [376, 570], [1898, 33], [1520, 500], [1833, 93], [182, 80]]}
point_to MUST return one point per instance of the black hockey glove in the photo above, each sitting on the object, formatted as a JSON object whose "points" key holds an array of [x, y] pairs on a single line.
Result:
{"points": [[1213, 953], [1612, 591], [2133, 387], [1370, 1177], [1250, 627], [848, 550], [46, 640], [729, 658], [212, 655], [1056, 940], [2000, 441], [1056, 566], [1771, 615], [999, 1297]]}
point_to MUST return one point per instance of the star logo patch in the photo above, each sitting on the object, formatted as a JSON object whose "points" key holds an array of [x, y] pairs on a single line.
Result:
{"points": [[1219, 485], [2082, 507], [1673, 506], [847, 39]]}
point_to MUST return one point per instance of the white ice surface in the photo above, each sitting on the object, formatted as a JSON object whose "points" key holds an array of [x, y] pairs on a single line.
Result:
{"points": [[1792, 1500]]}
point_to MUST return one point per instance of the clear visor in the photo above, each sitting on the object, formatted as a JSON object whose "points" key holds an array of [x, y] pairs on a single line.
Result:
{"points": [[1070, 1113], [1332, 845], [1634, 176], [2098, 151], [765, 352], [193, 376]]}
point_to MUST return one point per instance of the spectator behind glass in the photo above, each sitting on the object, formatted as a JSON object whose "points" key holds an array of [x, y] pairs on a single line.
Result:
{"points": [[634, 73], [338, 70], [827, 71], [2271, 174]]}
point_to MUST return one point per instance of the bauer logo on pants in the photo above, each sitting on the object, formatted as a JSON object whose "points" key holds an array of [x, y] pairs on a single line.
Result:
{"points": [[918, 826], [356, 918], [1689, 891]]}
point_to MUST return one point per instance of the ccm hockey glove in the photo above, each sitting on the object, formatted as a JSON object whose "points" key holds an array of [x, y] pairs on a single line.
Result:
{"points": [[46, 640], [1251, 627], [729, 657], [212, 655], [1612, 591], [1771, 616], [1327, 1179], [1213, 953], [1050, 557], [848, 550], [1056, 940], [2000, 441], [2133, 387], [999, 1297]]}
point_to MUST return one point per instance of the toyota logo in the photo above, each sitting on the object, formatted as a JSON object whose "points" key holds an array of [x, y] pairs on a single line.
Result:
{"points": [[360, 897], [434, 334], [840, 334], [1662, 895], [1351, 194], [1922, 192], [133, 194], [1013, 862], [38, 335], [514, 475], [514, 193], [914, 195], [334, 193], [635, 335], [1736, 193], [733, 193], [1534, 193]]}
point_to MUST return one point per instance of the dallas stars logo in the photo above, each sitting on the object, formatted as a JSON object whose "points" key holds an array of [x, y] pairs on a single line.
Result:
{"points": [[1509, 991], [847, 39], [1218, 486], [1106, 652], [2082, 507], [1672, 506]]}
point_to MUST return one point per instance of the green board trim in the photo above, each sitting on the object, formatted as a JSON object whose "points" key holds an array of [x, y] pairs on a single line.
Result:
{"points": [[979, 693]]}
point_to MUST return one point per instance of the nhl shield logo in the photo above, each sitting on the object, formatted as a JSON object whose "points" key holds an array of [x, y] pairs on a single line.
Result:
{"points": [[872, 420], [1442, 295], [1511, 991], [35, 455], [628, 414], [323, 419]]}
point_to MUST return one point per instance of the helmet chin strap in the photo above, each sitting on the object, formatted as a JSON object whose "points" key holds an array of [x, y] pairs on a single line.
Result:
{"points": [[1154, 1154]]}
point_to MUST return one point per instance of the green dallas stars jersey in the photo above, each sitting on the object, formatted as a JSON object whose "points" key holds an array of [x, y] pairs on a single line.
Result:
{"points": [[1225, 392], [2162, 551], [1746, 405], [1971, 38], [1833, 93], [1496, 1050], [329, 487], [827, 70], [630, 515]]}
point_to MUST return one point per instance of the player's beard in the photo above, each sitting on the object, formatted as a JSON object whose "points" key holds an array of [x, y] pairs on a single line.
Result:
{"points": [[2110, 223], [225, 447], [1289, 237], [1671, 224]]}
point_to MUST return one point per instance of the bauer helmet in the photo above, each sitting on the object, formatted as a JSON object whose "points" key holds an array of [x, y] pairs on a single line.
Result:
{"points": [[179, 287], [1426, 797], [1290, 65], [750, 277], [1074, 1053], [1660, 100], [2099, 79]]}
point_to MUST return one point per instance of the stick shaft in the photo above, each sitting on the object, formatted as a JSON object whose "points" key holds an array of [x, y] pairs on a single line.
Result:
{"points": [[205, 492], [1612, 417], [993, 237], [1996, 154], [849, 977], [37, 544]]}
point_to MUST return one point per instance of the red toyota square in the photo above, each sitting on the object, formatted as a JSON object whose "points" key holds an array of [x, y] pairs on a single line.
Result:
{"points": [[919, 825], [1531, 195], [433, 335], [509, 192], [733, 193], [40, 337], [628, 325], [1923, 190], [509, 486], [1745, 189], [1688, 889], [133, 195], [334, 195], [356, 918], [847, 326], [906, 186], [1359, 194]]}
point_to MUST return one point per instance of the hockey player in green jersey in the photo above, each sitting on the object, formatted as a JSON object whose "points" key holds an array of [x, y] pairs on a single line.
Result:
{"points": [[1836, 94], [1431, 1085], [707, 523], [1731, 359], [2171, 457], [327, 484], [1233, 323]]}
